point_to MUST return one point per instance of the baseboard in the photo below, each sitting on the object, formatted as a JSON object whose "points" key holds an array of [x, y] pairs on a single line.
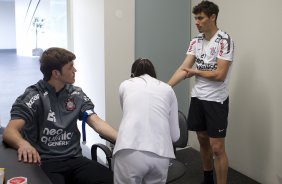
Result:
{"points": [[8, 50]]}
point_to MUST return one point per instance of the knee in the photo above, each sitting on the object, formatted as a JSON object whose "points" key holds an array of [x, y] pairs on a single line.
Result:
{"points": [[218, 150]]}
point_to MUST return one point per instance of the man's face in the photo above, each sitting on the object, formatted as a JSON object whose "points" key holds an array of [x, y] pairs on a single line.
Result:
{"points": [[68, 73], [203, 22]]}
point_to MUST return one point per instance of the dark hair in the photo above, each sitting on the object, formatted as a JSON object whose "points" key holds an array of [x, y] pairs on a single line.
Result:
{"points": [[143, 66], [54, 58], [207, 7]]}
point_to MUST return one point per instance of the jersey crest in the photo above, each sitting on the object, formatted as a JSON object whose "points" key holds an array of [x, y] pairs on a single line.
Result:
{"points": [[70, 104]]}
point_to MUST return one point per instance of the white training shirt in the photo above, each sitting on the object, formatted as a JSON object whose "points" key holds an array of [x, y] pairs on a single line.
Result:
{"points": [[150, 116], [206, 52]]}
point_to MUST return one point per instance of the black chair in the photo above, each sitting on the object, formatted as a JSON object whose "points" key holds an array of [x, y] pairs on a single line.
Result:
{"points": [[1, 130], [176, 168]]}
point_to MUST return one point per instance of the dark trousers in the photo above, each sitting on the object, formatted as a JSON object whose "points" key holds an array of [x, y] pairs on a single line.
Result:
{"points": [[78, 170]]}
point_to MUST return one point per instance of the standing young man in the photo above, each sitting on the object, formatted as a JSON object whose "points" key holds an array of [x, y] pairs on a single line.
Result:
{"points": [[43, 125], [212, 51]]}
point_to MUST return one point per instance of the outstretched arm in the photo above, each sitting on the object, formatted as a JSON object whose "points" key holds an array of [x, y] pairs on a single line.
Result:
{"points": [[102, 127], [26, 152], [180, 74]]}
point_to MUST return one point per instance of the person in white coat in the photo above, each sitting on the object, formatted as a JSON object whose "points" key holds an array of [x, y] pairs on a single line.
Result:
{"points": [[149, 127]]}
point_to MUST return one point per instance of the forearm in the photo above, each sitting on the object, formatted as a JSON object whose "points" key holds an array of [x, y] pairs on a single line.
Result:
{"points": [[212, 75], [13, 137], [102, 127], [178, 76], [107, 131]]}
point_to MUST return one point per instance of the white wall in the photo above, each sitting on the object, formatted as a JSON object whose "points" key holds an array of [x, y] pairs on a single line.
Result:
{"points": [[7, 24], [119, 52], [87, 41], [254, 132]]}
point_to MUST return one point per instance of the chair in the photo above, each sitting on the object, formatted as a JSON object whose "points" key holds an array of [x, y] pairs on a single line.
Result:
{"points": [[1, 130], [176, 169]]}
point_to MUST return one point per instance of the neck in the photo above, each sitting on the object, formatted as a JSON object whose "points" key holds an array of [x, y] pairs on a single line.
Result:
{"points": [[56, 85], [211, 33]]}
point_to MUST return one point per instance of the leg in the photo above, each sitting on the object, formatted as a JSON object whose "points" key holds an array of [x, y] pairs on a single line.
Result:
{"points": [[220, 159], [197, 121], [205, 151], [157, 173], [129, 167], [87, 171], [56, 171]]}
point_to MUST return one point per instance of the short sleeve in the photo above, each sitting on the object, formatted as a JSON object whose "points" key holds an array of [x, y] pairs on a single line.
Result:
{"points": [[226, 49], [192, 47]]}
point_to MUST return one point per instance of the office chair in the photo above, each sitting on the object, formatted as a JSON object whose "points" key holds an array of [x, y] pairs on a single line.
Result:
{"points": [[1, 130], [176, 169]]}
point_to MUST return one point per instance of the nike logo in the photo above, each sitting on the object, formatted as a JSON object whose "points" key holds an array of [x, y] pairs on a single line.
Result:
{"points": [[221, 130]]}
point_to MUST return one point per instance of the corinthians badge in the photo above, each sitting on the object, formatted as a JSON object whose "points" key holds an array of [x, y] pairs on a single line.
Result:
{"points": [[69, 104]]}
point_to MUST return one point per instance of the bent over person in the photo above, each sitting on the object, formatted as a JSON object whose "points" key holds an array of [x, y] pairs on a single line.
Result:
{"points": [[148, 128], [43, 125], [212, 52]]}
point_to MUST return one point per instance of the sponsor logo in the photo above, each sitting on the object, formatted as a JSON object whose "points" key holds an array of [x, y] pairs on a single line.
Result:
{"points": [[45, 93], [56, 137], [191, 46], [201, 65], [51, 116], [69, 104], [221, 48], [220, 130], [75, 93], [32, 100], [86, 98]]}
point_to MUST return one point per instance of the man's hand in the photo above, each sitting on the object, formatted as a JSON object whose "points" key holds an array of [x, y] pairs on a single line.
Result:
{"points": [[190, 72], [28, 154]]}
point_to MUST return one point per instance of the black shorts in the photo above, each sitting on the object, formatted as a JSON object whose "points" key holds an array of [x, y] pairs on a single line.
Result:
{"points": [[208, 116], [77, 170]]}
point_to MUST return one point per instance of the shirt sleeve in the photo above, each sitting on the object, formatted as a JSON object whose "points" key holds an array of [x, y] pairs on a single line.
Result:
{"points": [[173, 118], [192, 47], [26, 106], [87, 106], [226, 49]]}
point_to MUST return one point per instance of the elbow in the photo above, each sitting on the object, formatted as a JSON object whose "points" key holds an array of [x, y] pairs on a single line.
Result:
{"points": [[219, 78]]}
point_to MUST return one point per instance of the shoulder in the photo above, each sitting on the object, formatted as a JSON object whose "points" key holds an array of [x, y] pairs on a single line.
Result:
{"points": [[73, 90], [31, 95], [128, 82], [198, 37], [221, 35], [166, 86]]}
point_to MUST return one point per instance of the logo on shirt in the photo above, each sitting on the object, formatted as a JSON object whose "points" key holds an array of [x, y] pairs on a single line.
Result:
{"points": [[51, 116], [75, 93], [69, 104], [213, 51], [32, 100], [190, 49], [56, 137], [86, 98]]}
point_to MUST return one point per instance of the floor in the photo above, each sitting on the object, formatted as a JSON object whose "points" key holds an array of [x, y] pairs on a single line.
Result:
{"points": [[193, 175], [16, 73]]}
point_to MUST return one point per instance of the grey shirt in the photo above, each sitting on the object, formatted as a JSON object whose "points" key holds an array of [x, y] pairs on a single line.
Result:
{"points": [[51, 118]]}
